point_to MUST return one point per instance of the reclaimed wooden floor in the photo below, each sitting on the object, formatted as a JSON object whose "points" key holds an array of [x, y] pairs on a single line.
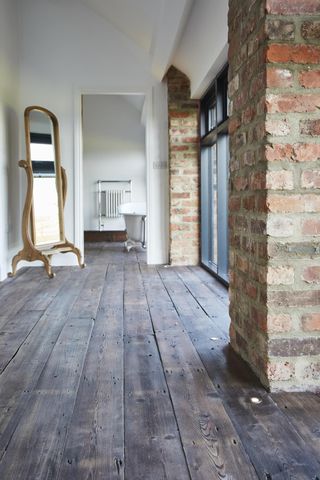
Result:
{"points": [[123, 371]]}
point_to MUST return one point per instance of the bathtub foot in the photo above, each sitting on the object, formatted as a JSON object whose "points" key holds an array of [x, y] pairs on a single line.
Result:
{"points": [[129, 244]]}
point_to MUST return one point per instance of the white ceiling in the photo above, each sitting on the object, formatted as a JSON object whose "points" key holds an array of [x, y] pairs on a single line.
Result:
{"points": [[155, 26], [136, 19]]}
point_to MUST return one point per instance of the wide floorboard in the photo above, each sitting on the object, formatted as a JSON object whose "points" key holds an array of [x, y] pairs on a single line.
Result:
{"points": [[124, 371]]}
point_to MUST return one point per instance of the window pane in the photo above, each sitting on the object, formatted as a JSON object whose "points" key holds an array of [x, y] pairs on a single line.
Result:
{"points": [[214, 204]]}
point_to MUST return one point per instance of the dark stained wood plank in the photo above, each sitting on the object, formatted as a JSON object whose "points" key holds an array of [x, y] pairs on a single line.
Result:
{"points": [[211, 304], [212, 446], [88, 302], [152, 443], [188, 401], [95, 443], [105, 236], [166, 315], [20, 377], [137, 319], [153, 447], [46, 289], [39, 438], [15, 293], [303, 411], [262, 428], [186, 305], [15, 333], [219, 290]]}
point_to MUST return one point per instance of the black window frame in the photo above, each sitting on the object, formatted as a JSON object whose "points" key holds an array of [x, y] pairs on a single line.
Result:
{"points": [[216, 97]]}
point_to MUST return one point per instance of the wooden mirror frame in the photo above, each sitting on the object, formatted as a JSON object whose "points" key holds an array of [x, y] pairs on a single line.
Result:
{"points": [[30, 252], [58, 169]]}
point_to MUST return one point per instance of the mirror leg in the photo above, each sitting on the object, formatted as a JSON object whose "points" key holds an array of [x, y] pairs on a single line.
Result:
{"points": [[47, 265], [16, 259], [77, 252]]}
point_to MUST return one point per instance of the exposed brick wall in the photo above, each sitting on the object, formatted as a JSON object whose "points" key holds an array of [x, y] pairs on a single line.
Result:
{"points": [[275, 189], [184, 170]]}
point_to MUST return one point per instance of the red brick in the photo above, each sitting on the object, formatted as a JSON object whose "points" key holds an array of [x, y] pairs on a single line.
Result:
{"points": [[304, 152], [284, 203], [179, 148], [311, 227], [311, 274], [189, 218], [310, 127], [248, 115], [303, 54], [258, 180], [249, 202], [240, 183], [292, 7], [242, 263], [179, 114], [279, 77], [310, 322], [310, 179], [286, 103], [180, 195], [234, 203], [310, 78], [234, 124], [278, 128], [251, 290], [280, 152]]}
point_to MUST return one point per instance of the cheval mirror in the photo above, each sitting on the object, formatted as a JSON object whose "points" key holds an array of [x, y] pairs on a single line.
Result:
{"points": [[43, 220]]}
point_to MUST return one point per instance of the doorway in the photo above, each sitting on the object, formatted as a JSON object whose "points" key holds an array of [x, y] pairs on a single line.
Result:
{"points": [[114, 168]]}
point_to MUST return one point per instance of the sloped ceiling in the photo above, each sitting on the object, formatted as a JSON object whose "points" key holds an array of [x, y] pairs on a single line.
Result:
{"points": [[155, 26], [136, 19]]}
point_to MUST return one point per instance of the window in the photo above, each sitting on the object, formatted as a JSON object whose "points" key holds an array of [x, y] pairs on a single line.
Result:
{"points": [[214, 177]]}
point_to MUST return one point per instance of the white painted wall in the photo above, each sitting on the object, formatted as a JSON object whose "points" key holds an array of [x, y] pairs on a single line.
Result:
{"points": [[113, 149], [9, 135], [157, 174], [67, 49], [202, 50]]}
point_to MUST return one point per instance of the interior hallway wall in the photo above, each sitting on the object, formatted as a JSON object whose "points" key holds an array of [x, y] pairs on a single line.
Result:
{"points": [[58, 61], [9, 135], [113, 149]]}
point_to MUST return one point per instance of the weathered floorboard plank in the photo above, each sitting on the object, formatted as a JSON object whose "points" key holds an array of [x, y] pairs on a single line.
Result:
{"points": [[212, 446], [39, 438], [152, 443], [20, 377], [261, 427], [95, 443]]}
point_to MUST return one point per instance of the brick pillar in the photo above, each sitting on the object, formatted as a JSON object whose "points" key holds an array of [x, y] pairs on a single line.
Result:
{"points": [[274, 206], [183, 170]]}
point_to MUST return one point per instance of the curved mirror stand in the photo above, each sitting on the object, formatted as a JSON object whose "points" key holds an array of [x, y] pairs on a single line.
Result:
{"points": [[43, 221]]}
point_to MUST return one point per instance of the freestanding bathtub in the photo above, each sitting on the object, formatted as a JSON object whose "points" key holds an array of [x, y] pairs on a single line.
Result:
{"points": [[135, 219]]}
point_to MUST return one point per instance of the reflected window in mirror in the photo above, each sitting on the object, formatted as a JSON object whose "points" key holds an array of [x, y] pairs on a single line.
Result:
{"points": [[45, 194]]}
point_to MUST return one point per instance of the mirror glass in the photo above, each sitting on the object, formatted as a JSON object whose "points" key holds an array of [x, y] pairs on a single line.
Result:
{"points": [[47, 226]]}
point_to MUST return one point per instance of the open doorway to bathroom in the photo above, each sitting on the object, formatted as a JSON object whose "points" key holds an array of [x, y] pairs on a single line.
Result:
{"points": [[114, 170]]}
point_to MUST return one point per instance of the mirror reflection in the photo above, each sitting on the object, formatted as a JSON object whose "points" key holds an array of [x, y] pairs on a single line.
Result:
{"points": [[45, 208]]}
